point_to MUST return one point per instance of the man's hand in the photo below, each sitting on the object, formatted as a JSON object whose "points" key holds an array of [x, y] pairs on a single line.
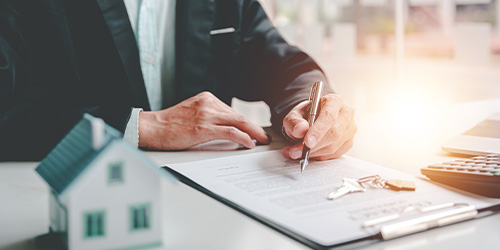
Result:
{"points": [[199, 119], [331, 135]]}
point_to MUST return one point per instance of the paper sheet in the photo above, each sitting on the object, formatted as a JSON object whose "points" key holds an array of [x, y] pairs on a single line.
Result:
{"points": [[272, 187]]}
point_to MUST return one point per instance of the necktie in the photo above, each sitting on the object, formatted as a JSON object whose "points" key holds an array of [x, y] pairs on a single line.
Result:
{"points": [[147, 39]]}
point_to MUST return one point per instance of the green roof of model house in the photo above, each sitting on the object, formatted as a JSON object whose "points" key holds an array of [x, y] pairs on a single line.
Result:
{"points": [[74, 153]]}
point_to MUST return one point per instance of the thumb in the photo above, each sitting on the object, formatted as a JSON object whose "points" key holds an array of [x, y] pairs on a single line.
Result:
{"points": [[295, 123]]}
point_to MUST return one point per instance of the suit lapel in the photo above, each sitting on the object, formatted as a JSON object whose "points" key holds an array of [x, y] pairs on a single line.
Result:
{"points": [[116, 17]]}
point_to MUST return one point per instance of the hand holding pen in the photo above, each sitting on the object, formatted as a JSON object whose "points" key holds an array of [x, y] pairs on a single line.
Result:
{"points": [[331, 134]]}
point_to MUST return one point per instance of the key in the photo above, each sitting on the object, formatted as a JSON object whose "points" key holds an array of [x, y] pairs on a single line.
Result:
{"points": [[400, 185], [348, 186]]}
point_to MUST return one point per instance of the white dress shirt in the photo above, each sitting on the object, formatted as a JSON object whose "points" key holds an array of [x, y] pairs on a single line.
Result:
{"points": [[159, 96]]}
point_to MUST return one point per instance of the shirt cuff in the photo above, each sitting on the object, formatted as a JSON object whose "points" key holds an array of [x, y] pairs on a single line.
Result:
{"points": [[131, 134]]}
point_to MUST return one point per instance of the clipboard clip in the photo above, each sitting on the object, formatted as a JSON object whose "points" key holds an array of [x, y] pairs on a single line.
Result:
{"points": [[453, 212]]}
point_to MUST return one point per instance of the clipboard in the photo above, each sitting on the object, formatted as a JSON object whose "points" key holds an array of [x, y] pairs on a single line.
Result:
{"points": [[290, 234], [409, 220]]}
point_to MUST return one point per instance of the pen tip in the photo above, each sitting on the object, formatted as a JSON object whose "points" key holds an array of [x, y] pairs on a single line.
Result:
{"points": [[303, 164]]}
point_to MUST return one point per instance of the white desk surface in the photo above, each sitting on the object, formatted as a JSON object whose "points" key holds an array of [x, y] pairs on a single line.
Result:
{"points": [[195, 221]]}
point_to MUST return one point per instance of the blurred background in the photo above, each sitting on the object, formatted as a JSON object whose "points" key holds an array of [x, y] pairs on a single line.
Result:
{"points": [[382, 55]]}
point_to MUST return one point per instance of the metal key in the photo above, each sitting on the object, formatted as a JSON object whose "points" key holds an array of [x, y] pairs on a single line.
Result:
{"points": [[348, 186]]}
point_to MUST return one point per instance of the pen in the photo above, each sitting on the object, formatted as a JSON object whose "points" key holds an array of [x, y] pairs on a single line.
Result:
{"points": [[313, 110]]}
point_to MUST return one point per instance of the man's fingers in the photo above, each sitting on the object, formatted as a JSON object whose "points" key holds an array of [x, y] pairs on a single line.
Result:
{"points": [[332, 133], [213, 111], [325, 153], [293, 151], [326, 119], [286, 151], [331, 143], [328, 153], [344, 149], [232, 134], [242, 123], [326, 147], [343, 130], [295, 123]]}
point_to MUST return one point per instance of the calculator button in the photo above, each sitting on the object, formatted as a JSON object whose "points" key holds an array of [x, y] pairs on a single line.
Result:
{"points": [[437, 166], [479, 158], [480, 172]]}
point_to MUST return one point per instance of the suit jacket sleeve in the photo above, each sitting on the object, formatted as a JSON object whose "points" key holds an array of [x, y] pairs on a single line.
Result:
{"points": [[33, 117], [272, 69]]}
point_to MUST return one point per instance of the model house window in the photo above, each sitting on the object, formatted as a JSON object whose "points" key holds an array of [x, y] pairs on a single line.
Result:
{"points": [[116, 172], [94, 224], [140, 217]]}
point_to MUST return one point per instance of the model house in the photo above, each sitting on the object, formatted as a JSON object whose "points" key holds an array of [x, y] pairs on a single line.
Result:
{"points": [[104, 193]]}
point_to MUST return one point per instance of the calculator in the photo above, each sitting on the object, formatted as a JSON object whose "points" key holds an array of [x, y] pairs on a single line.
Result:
{"points": [[479, 174]]}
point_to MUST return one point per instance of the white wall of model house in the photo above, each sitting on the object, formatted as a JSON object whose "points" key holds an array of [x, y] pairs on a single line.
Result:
{"points": [[92, 191]]}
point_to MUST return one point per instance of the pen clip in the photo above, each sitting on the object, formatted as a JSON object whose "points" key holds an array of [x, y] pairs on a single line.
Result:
{"points": [[313, 91], [314, 97], [311, 98]]}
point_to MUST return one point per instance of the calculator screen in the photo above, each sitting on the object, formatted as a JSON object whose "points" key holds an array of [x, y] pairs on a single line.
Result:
{"points": [[487, 128]]}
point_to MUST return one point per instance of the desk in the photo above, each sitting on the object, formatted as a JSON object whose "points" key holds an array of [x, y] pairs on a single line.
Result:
{"points": [[194, 221]]}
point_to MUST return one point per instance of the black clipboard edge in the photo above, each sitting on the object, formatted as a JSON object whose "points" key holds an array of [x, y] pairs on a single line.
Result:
{"points": [[290, 234], [492, 209]]}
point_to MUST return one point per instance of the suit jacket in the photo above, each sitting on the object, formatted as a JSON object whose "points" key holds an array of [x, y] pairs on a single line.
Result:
{"points": [[62, 58]]}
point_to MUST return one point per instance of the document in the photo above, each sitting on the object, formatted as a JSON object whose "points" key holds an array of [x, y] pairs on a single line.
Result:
{"points": [[271, 188]]}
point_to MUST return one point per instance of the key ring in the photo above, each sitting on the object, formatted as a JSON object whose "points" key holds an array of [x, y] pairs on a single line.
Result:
{"points": [[375, 180]]}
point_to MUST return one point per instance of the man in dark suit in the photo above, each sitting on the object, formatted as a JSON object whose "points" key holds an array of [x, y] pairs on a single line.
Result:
{"points": [[62, 58]]}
